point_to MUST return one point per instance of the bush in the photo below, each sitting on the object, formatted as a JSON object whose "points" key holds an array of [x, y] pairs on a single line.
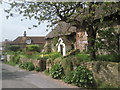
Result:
{"points": [[24, 65], [54, 55], [15, 59], [67, 65], [30, 66], [109, 57], [81, 77], [14, 48], [67, 78], [33, 48], [83, 57], [38, 69], [27, 65], [57, 71]]}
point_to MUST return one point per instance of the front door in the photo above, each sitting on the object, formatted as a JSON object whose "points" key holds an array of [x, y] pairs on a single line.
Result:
{"points": [[61, 49]]}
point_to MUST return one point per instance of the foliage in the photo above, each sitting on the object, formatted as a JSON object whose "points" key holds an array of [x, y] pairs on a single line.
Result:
{"points": [[10, 63], [46, 72], [54, 55], [68, 77], [14, 48], [14, 60], [33, 48], [109, 57], [107, 40], [38, 69], [27, 65], [67, 64], [70, 12], [82, 57], [57, 71], [47, 48], [81, 77], [31, 55]]}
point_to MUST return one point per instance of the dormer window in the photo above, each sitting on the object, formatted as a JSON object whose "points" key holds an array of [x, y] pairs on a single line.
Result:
{"points": [[28, 41]]}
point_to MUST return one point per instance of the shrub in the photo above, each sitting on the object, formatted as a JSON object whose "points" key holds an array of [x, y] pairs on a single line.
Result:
{"points": [[27, 65], [83, 57], [67, 65], [81, 77], [14, 48], [24, 65], [57, 71], [54, 55], [38, 69], [33, 48], [15, 59], [109, 57], [67, 78], [30, 66]]}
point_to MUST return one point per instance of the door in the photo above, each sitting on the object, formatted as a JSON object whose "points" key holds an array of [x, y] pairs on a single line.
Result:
{"points": [[61, 49]]}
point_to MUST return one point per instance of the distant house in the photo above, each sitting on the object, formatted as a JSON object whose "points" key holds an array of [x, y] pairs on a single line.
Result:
{"points": [[64, 38], [28, 40]]}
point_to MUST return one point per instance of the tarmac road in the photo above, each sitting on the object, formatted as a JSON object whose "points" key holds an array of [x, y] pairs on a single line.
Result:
{"points": [[13, 77]]}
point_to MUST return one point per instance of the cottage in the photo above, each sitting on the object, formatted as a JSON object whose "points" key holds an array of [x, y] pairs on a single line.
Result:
{"points": [[27, 40], [67, 39]]}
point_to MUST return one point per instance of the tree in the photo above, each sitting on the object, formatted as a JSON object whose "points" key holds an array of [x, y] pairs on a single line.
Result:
{"points": [[83, 15]]}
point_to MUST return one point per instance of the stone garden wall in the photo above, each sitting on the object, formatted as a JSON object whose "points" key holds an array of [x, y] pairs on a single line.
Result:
{"points": [[105, 72]]}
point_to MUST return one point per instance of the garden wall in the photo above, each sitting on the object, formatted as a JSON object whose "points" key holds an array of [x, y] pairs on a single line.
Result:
{"points": [[105, 72]]}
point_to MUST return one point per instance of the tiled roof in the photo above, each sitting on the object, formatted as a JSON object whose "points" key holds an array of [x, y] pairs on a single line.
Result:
{"points": [[35, 40]]}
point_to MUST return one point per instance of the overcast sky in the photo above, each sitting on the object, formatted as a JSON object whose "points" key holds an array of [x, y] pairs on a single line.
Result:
{"points": [[13, 27]]}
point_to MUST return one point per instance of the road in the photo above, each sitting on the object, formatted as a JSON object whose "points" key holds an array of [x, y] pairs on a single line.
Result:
{"points": [[13, 77]]}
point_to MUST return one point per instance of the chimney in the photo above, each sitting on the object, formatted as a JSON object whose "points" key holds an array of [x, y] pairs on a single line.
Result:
{"points": [[24, 33]]}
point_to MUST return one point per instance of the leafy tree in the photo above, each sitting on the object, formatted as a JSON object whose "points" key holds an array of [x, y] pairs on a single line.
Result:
{"points": [[87, 16]]}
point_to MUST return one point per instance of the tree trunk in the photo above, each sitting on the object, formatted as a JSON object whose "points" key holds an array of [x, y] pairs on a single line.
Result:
{"points": [[91, 42]]}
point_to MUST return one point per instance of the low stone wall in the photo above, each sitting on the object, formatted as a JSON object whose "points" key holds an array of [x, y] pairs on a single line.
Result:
{"points": [[8, 57], [37, 63], [105, 72]]}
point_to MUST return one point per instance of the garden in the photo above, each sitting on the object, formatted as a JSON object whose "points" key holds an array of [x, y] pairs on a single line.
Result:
{"points": [[71, 69]]}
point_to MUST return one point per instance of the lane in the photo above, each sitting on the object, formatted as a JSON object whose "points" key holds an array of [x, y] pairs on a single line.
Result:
{"points": [[11, 78], [14, 77]]}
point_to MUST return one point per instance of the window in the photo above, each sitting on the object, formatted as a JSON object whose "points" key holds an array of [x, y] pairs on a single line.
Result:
{"points": [[28, 41]]}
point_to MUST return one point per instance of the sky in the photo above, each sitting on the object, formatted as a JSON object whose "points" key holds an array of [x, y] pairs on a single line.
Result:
{"points": [[13, 27]]}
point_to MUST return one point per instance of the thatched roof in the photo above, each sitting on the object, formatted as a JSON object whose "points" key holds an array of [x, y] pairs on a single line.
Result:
{"points": [[61, 29]]}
